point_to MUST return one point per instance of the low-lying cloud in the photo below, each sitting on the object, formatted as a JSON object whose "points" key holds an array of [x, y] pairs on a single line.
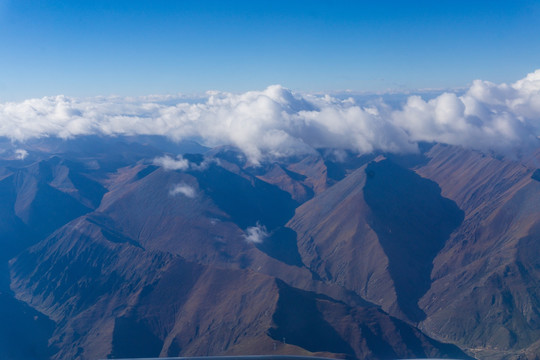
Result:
{"points": [[256, 234], [183, 189], [169, 163], [179, 163], [21, 154], [276, 122]]}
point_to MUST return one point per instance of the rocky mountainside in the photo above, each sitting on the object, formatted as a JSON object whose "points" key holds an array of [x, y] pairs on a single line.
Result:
{"points": [[122, 247], [493, 258]]}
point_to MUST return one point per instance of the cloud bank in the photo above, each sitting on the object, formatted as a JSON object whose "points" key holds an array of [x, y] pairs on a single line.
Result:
{"points": [[276, 122]]}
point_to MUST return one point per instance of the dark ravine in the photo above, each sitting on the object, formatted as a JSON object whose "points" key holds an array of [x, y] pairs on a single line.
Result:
{"points": [[412, 221]]}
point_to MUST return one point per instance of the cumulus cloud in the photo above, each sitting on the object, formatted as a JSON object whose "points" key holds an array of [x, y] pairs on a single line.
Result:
{"points": [[169, 163], [487, 117], [256, 234], [183, 189], [179, 163], [21, 154], [276, 122]]}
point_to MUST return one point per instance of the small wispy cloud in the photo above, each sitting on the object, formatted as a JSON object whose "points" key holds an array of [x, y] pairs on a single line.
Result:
{"points": [[204, 164], [169, 163], [256, 234], [183, 189], [21, 154]]}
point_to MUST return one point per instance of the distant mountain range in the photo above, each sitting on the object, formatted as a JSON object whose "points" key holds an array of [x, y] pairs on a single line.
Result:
{"points": [[118, 247]]}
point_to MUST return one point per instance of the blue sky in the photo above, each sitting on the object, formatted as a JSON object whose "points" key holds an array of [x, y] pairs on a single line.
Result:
{"points": [[98, 47]]}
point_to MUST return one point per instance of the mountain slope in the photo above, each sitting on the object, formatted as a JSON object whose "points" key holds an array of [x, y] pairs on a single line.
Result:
{"points": [[115, 255], [106, 296], [377, 232], [492, 259]]}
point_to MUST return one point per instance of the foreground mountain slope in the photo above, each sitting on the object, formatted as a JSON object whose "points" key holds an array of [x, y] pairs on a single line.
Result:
{"points": [[376, 232], [125, 256], [468, 271], [35, 199], [117, 299], [141, 204], [492, 260]]}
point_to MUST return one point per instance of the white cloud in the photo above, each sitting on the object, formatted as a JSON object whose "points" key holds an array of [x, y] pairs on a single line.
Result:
{"points": [[21, 154], [169, 163], [256, 234], [276, 122], [184, 189]]}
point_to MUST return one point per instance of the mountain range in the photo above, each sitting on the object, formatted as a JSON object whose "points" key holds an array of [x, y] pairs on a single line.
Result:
{"points": [[117, 247]]}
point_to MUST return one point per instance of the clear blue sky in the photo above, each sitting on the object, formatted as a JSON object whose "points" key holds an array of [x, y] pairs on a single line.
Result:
{"points": [[101, 47]]}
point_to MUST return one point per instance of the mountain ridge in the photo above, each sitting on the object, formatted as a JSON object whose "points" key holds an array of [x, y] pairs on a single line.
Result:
{"points": [[380, 253]]}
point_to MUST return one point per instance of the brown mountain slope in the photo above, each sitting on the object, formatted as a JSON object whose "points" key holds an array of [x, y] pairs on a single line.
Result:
{"points": [[447, 239], [337, 243], [139, 206], [376, 232], [471, 277], [112, 298], [485, 291]]}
